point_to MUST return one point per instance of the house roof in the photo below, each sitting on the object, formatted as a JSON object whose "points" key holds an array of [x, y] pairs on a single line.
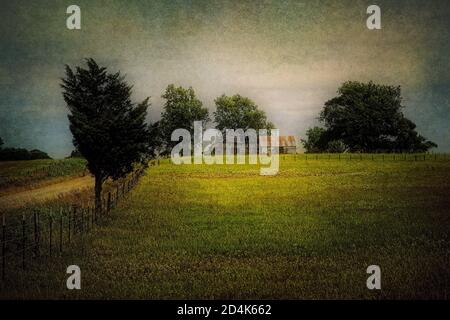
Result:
{"points": [[287, 141]]}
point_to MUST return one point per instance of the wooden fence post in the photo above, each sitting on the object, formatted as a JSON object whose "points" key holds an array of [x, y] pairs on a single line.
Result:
{"points": [[70, 223], [23, 242], [50, 240], [109, 202], [61, 231], [82, 220], [82, 230], [36, 239], [3, 247], [92, 215]]}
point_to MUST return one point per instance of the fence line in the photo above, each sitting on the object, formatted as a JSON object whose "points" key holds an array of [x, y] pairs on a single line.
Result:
{"points": [[46, 235], [367, 156]]}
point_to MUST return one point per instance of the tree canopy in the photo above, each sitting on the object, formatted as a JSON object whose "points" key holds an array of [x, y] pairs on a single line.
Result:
{"points": [[108, 129], [368, 117], [14, 154], [180, 110], [238, 112]]}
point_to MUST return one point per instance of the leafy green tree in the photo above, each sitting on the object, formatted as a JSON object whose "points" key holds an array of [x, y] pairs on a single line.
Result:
{"points": [[180, 110], [13, 154], [368, 117], [238, 112], [76, 154], [409, 140], [38, 154], [108, 129], [336, 146], [316, 140]]}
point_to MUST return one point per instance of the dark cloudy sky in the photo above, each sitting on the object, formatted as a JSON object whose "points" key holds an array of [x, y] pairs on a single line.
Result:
{"points": [[288, 56]]}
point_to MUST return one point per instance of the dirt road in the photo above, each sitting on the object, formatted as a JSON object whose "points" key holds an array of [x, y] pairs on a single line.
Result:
{"points": [[45, 193]]}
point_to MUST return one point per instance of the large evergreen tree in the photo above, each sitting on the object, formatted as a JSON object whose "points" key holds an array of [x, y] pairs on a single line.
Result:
{"points": [[108, 129]]}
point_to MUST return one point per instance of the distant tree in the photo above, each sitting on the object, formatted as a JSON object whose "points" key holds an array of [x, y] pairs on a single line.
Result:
{"points": [[336, 146], [316, 140], [76, 154], [14, 154], [409, 140], [180, 110], [108, 129], [368, 117], [238, 112], [38, 154]]}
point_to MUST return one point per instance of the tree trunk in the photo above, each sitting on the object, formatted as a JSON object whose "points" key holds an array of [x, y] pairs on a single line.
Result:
{"points": [[98, 194]]}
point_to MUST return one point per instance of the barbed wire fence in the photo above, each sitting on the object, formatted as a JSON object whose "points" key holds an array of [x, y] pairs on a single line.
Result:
{"points": [[41, 235]]}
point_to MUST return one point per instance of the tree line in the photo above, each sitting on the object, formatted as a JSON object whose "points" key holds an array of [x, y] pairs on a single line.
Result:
{"points": [[111, 131], [14, 154]]}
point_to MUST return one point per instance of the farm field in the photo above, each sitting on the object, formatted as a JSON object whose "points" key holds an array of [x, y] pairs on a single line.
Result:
{"points": [[28, 183], [223, 231], [24, 175]]}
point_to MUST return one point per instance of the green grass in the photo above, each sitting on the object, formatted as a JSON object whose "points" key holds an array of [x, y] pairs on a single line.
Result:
{"points": [[24, 173], [226, 232]]}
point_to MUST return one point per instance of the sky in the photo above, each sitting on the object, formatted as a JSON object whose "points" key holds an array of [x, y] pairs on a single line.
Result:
{"points": [[288, 56]]}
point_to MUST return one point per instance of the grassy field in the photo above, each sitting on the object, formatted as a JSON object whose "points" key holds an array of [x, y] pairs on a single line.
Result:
{"points": [[226, 232], [16, 175]]}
